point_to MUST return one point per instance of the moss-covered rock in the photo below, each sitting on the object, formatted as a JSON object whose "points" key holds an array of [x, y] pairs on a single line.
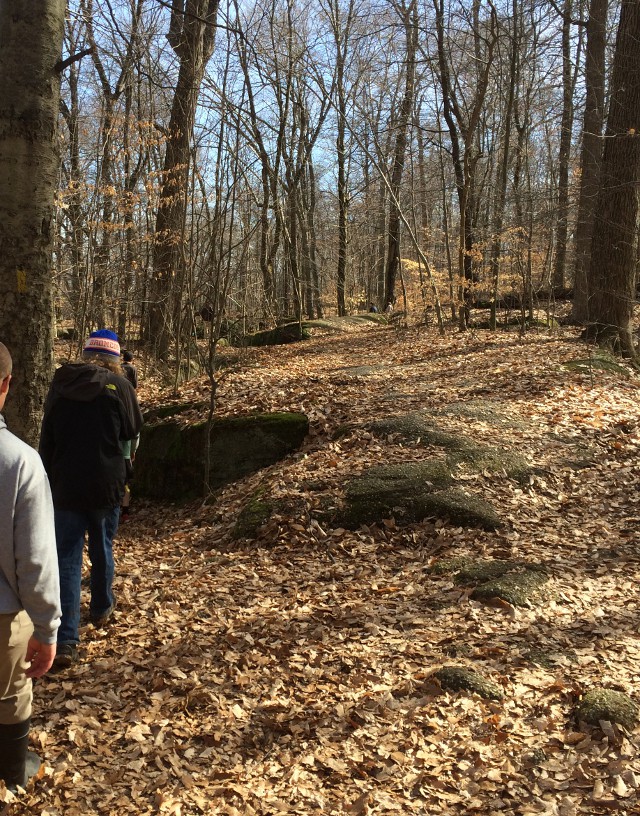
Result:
{"points": [[392, 490], [605, 704], [336, 323], [464, 453], [517, 582], [540, 657], [478, 458], [416, 427], [170, 461], [517, 588], [174, 409], [485, 411], [461, 508], [253, 515], [480, 572], [447, 566], [460, 678], [411, 492], [516, 322], [281, 335]]}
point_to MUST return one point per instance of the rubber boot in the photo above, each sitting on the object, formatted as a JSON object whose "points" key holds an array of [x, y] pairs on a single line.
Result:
{"points": [[17, 764]]}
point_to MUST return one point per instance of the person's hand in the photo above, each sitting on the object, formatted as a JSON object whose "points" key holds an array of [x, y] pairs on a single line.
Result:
{"points": [[40, 657]]}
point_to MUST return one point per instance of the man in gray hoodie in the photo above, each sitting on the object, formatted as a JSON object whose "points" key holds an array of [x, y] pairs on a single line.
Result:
{"points": [[29, 591]]}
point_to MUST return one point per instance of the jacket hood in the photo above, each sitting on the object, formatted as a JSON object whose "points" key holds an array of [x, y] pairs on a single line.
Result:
{"points": [[81, 382]]}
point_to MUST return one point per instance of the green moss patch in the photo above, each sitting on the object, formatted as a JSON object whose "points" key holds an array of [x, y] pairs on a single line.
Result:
{"points": [[461, 508], [459, 678], [480, 572], [605, 704], [174, 409], [392, 490], [482, 410], [253, 515], [446, 566], [466, 454]]}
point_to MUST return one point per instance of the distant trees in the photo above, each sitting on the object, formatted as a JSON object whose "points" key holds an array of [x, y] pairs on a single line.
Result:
{"points": [[322, 155]]}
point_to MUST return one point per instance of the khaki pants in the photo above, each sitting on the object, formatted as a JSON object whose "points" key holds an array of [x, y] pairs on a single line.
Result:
{"points": [[15, 687]]}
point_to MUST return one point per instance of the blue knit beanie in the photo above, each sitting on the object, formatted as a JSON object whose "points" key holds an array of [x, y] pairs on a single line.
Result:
{"points": [[102, 341]]}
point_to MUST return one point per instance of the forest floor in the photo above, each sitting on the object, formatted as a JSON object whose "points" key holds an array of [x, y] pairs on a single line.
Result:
{"points": [[291, 673]]}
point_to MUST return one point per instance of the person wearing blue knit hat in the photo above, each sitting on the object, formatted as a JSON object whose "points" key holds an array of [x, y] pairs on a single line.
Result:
{"points": [[91, 409]]}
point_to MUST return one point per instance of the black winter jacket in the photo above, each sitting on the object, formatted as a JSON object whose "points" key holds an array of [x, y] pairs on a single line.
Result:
{"points": [[88, 412]]}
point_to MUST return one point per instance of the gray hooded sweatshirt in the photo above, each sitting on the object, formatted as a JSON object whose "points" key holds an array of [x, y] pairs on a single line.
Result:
{"points": [[28, 559]]}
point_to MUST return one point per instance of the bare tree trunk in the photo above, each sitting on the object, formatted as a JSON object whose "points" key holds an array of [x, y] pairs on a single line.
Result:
{"points": [[341, 29], [30, 49], [613, 249], [501, 192], [410, 19], [462, 125], [593, 123], [566, 126], [191, 35], [76, 189], [102, 257]]}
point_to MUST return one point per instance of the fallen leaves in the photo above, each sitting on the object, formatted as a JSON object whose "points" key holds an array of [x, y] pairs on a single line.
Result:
{"points": [[290, 674]]}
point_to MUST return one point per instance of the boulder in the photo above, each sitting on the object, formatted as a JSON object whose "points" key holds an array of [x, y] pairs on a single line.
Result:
{"points": [[603, 704], [519, 583], [170, 462]]}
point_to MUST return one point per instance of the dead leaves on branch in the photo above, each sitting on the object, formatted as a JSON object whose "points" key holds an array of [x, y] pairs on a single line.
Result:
{"points": [[294, 672]]}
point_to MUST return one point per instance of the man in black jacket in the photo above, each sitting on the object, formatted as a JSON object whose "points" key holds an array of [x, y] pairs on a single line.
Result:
{"points": [[91, 409]]}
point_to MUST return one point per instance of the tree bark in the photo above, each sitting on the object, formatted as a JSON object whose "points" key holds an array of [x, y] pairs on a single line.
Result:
{"points": [[613, 251], [410, 19], [30, 46], [191, 35], [566, 126], [591, 160]]}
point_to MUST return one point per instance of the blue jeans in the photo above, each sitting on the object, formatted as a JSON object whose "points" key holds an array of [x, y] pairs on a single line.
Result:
{"points": [[71, 526]]}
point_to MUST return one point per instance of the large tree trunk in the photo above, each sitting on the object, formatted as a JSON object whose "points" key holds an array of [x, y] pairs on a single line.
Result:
{"points": [[613, 251], [30, 48], [592, 125]]}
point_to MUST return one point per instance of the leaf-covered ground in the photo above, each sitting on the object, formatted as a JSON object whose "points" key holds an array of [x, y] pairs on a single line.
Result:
{"points": [[291, 673]]}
